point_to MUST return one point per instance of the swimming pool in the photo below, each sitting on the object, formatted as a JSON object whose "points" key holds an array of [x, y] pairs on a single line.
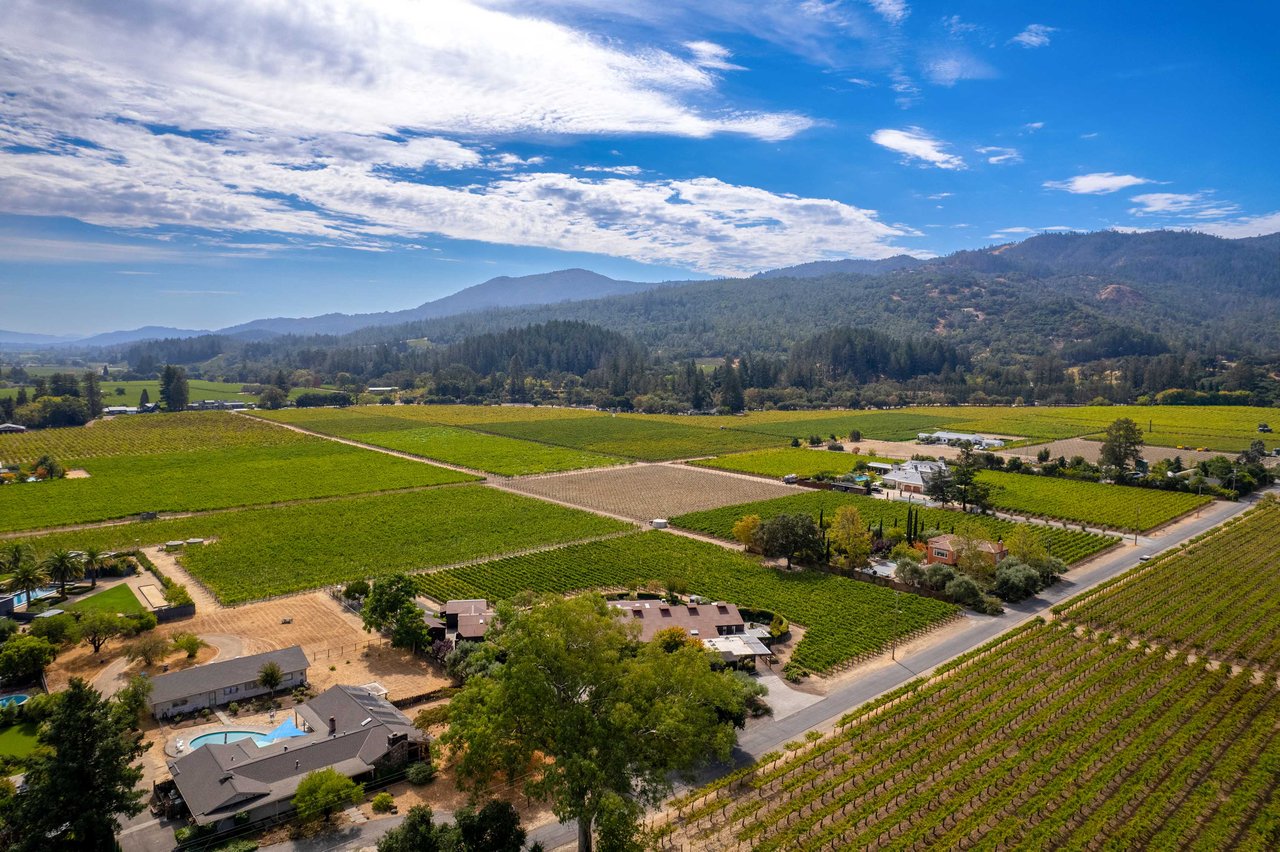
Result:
{"points": [[229, 737], [9, 700], [21, 597]]}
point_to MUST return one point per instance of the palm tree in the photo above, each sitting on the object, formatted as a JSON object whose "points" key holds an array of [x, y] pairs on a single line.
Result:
{"points": [[28, 576], [62, 568], [94, 559], [14, 555]]}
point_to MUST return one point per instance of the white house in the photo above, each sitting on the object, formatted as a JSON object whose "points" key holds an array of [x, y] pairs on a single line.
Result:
{"points": [[913, 477]]}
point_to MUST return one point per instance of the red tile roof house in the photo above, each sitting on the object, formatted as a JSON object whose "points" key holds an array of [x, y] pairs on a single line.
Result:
{"points": [[945, 549]]}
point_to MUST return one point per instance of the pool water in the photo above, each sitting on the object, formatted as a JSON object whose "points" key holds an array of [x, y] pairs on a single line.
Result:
{"points": [[21, 597], [229, 737], [9, 700]]}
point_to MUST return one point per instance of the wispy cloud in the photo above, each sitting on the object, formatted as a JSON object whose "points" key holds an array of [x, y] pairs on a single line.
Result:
{"points": [[893, 11], [917, 145], [999, 156], [950, 67], [1035, 35], [1248, 226], [1097, 183], [1033, 126], [1196, 205], [707, 54]]}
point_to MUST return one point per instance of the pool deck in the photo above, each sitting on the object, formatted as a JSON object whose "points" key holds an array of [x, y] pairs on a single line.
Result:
{"points": [[189, 734]]}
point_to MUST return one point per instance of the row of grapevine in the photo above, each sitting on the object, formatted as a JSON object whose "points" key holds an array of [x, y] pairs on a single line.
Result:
{"points": [[844, 619], [1066, 741], [1093, 503], [1218, 597]]}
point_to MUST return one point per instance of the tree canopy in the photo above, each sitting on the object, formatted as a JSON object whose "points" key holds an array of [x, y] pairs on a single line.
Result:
{"points": [[594, 723]]}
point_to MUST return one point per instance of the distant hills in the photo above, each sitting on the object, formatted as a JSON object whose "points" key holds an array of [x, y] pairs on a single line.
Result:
{"points": [[1097, 295]]}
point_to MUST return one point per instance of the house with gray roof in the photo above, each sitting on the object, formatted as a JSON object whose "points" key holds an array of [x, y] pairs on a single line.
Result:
{"points": [[346, 728], [224, 681]]}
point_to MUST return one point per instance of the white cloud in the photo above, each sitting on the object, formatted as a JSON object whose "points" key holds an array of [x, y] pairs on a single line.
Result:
{"points": [[938, 196], [950, 68], [358, 67], [957, 26], [893, 11], [997, 155], [1248, 226], [1196, 205], [708, 54], [859, 81], [1097, 183], [915, 144], [329, 124], [1035, 35], [613, 170], [1033, 126]]}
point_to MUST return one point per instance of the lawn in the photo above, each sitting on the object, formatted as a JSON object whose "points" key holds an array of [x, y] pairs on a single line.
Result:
{"points": [[116, 599], [18, 740], [302, 467], [784, 460], [844, 618], [1116, 506], [264, 552], [491, 453], [1068, 545]]}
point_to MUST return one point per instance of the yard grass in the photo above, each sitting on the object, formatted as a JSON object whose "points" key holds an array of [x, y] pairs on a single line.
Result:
{"points": [[1068, 545], [1116, 506], [785, 460], [116, 599], [491, 453], [843, 618], [18, 740], [264, 552], [238, 475]]}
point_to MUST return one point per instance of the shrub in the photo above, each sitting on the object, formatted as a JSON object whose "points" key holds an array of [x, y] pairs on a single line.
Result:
{"points": [[177, 595], [431, 716], [356, 589], [383, 803], [188, 642], [233, 708], [238, 845], [835, 447], [779, 627], [423, 772]]}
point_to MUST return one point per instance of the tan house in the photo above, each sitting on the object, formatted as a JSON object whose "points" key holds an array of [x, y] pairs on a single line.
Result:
{"points": [[945, 549]]}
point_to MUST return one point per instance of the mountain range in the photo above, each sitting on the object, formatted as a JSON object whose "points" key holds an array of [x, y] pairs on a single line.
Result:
{"points": [[1049, 291]]}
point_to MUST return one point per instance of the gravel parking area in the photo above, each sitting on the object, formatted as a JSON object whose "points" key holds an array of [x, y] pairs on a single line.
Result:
{"points": [[644, 492]]}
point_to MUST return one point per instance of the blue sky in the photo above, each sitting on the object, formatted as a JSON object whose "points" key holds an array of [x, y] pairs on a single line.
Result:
{"points": [[202, 164]]}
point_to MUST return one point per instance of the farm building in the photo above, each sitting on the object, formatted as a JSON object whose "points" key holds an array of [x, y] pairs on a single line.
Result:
{"points": [[945, 549], [218, 683], [383, 390], [913, 477], [11, 427], [113, 410], [467, 619], [981, 442], [346, 728], [217, 405]]}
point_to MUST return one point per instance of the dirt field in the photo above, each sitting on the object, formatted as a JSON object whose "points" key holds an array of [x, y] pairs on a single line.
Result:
{"points": [[644, 492], [1092, 450]]}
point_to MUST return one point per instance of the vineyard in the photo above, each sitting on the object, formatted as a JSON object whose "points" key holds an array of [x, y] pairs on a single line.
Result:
{"points": [[263, 552], [132, 395], [491, 453], [879, 425], [1217, 598], [121, 486], [1047, 740], [1093, 503], [144, 434], [784, 460], [646, 439], [845, 620], [1068, 545]]}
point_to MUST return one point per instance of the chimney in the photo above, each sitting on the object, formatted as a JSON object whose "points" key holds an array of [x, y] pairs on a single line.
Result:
{"points": [[333, 726]]}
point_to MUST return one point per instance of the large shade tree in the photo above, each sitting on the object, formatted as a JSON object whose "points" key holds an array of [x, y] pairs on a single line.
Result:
{"points": [[595, 723]]}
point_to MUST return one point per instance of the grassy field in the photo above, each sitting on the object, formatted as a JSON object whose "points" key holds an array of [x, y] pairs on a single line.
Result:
{"points": [[844, 618], [18, 740], [1217, 598], [491, 453], [1068, 545], [116, 599], [1116, 506], [784, 460], [632, 437], [215, 468], [271, 551]]}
